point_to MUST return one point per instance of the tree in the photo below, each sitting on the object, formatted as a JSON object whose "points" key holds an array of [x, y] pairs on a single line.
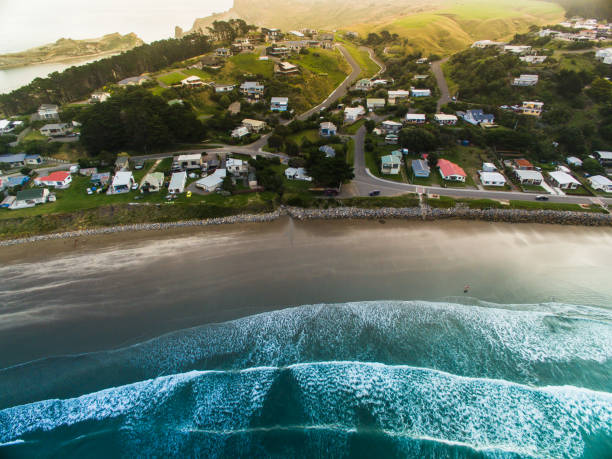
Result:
{"points": [[328, 172], [432, 160], [370, 125], [275, 141], [592, 166], [227, 184], [291, 148], [418, 139], [25, 171]]}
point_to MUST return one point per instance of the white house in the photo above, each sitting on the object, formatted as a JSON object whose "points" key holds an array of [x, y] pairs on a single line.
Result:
{"points": [[373, 104], [190, 161], [444, 119], [601, 183], [99, 96], [363, 85], [29, 198], [224, 88], [213, 181], [563, 180], [192, 81], [252, 89], [236, 167], [451, 171], [526, 80], [391, 127], [420, 92], [517, 49], [398, 94], [415, 118], [492, 178], [55, 130], [57, 179], [153, 182], [240, 132], [48, 112], [573, 161], [533, 59], [327, 129], [476, 117], [177, 182], [254, 125], [279, 104], [122, 182], [353, 113], [528, 177], [489, 167], [292, 173]]}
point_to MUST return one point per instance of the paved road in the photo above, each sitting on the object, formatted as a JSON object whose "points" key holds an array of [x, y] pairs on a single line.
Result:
{"points": [[445, 97]]}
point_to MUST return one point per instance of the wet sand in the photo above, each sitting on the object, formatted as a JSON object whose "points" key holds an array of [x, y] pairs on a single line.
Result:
{"points": [[101, 292]]}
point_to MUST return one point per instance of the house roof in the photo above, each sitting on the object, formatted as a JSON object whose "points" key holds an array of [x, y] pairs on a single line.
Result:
{"points": [[233, 162], [529, 175], [375, 101], [492, 177], [30, 193], [563, 177], [213, 180], [398, 93], [391, 123], [421, 90], [604, 154], [57, 176], [489, 165], [191, 78], [415, 116], [253, 122], [574, 160], [390, 159], [178, 180], [54, 126], [48, 107], [601, 180], [328, 150], [444, 117], [251, 85], [16, 158], [190, 157], [418, 165], [154, 178], [279, 100], [449, 168], [353, 111], [327, 125], [100, 176], [523, 163], [122, 178]]}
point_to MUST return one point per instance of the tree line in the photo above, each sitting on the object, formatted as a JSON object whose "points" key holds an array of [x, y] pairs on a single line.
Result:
{"points": [[76, 83]]}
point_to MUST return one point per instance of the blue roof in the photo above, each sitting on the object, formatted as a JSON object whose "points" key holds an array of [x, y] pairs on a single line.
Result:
{"points": [[19, 157], [17, 180], [32, 156], [420, 166]]}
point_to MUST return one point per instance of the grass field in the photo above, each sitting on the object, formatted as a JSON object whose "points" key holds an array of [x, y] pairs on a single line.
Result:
{"points": [[368, 66], [311, 134], [172, 78], [323, 62], [245, 64]]}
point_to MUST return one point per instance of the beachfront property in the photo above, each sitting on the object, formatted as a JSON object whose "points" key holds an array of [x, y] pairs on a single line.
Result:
{"points": [[29, 198], [327, 129], [420, 92], [252, 89], [390, 164], [254, 125], [192, 81], [328, 150], [152, 182], [373, 104], [240, 132], [353, 113], [99, 96], [55, 129], [189, 161], [600, 183], [420, 168], [451, 171], [492, 178], [528, 177], [415, 118], [100, 179], [57, 179], [532, 108], [563, 180], [299, 173], [236, 167], [122, 182], [445, 120], [279, 104], [177, 182], [213, 181], [476, 117], [391, 127], [48, 112], [604, 158], [526, 80]]}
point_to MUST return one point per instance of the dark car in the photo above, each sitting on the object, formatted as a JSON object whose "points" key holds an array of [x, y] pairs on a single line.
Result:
{"points": [[541, 197], [374, 193]]}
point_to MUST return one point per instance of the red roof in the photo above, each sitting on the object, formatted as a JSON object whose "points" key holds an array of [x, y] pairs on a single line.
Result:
{"points": [[448, 168], [523, 163], [57, 176], [425, 155]]}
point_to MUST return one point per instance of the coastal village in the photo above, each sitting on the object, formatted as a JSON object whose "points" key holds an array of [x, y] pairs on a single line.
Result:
{"points": [[415, 131]]}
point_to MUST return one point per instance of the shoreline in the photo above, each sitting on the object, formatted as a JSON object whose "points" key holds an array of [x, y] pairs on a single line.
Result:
{"points": [[63, 60], [553, 217]]}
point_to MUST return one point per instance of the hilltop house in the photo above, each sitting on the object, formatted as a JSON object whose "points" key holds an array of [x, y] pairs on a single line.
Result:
{"points": [[286, 68], [252, 89], [451, 171], [292, 173], [391, 127], [152, 182], [528, 177], [563, 180], [600, 183], [192, 81], [57, 179], [99, 96], [532, 108], [491, 178], [254, 125], [177, 182], [55, 130], [327, 129], [363, 85], [420, 92], [279, 104], [526, 80], [415, 118], [353, 113], [48, 112], [390, 164], [444, 119], [476, 117], [373, 104], [420, 168], [29, 198]]}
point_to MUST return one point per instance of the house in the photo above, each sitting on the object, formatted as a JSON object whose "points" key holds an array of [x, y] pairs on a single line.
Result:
{"points": [[526, 80], [57, 179], [486, 44], [363, 85], [444, 119], [88, 171], [532, 108], [254, 125], [213, 181], [533, 59], [236, 167], [223, 52], [415, 118], [353, 113], [122, 182], [13, 161], [48, 112], [523, 165], [390, 164], [133, 81], [451, 171], [122, 163], [30, 197], [33, 160], [420, 92], [17, 180], [100, 179], [528, 177], [55, 130], [604, 158], [328, 150], [563, 180], [573, 161], [279, 104], [489, 167], [373, 104], [240, 132], [252, 89], [192, 81], [600, 183], [292, 173], [6, 126], [286, 68], [604, 55], [420, 168], [517, 49], [177, 182], [391, 127], [223, 88], [152, 182], [562, 168], [391, 139], [327, 129], [492, 178], [422, 60], [476, 117], [380, 82], [278, 51], [271, 34], [398, 94], [189, 161], [99, 96]]}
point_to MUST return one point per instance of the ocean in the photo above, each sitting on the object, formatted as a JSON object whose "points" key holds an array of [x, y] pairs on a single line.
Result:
{"points": [[316, 339]]}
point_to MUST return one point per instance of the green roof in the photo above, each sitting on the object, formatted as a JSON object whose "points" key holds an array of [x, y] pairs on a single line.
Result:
{"points": [[390, 159], [30, 193]]}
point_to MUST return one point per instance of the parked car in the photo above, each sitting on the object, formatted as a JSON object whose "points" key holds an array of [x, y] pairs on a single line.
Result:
{"points": [[139, 165], [374, 193], [541, 197], [135, 186]]}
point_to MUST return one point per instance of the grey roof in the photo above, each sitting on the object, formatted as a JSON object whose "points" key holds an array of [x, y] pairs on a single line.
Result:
{"points": [[480, 116], [328, 150], [16, 158], [30, 193], [419, 165], [54, 126], [280, 100], [251, 85]]}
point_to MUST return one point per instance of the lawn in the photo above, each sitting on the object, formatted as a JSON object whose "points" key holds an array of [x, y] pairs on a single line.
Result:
{"points": [[311, 134], [368, 67], [350, 154], [352, 129], [241, 64], [533, 189], [204, 76], [172, 78], [34, 134], [323, 62], [434, 178]]}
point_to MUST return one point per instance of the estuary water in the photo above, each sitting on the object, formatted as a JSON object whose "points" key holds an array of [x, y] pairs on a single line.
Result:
{"points": [[343, 339]]}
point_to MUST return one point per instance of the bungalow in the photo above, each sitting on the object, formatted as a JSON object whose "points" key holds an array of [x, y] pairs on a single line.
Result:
{"points": [[398, 94], [353, 113], [33, 160], [328, 150], [415, 118], [133, 81], [219, 88], [363, 85], [526, 80], [486, 44], [254, 125], [523, 165], [252, 89], [99, 97], [30, 197], [240, 132], [223, 52], [517, 49], [528, 177], [236, 167], [48, 112], [271, 34], [327, 129], [6, 126], [122, 182], [286, 68], [601, 183], [373, 104], [177, 182], [391, 127], [292, 173], [213, 181], [122, 163], [17, 180], [279, 104], [13, 161], [189, 161], [391, 139], [563, 180], [476, 117], [451, 171], [55, 130], [444, 119], [533, 59], [152, 182], [390, 164], [420, 168], [604, 158], [492, 178], [192, 81], [420, 92], [489, 167], [100, 179], [57, 179], [532, 108], [278, 51], [573, 161]]}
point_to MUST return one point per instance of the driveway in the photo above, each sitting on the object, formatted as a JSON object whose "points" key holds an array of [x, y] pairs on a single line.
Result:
{"points": [[445, 97]]}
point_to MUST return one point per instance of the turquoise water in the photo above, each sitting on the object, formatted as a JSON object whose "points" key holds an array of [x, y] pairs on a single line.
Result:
{"points": [[364, 379]]}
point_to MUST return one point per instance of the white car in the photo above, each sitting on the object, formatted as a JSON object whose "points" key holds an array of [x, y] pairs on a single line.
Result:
{"points": [[135, 186], [89, 191]]}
